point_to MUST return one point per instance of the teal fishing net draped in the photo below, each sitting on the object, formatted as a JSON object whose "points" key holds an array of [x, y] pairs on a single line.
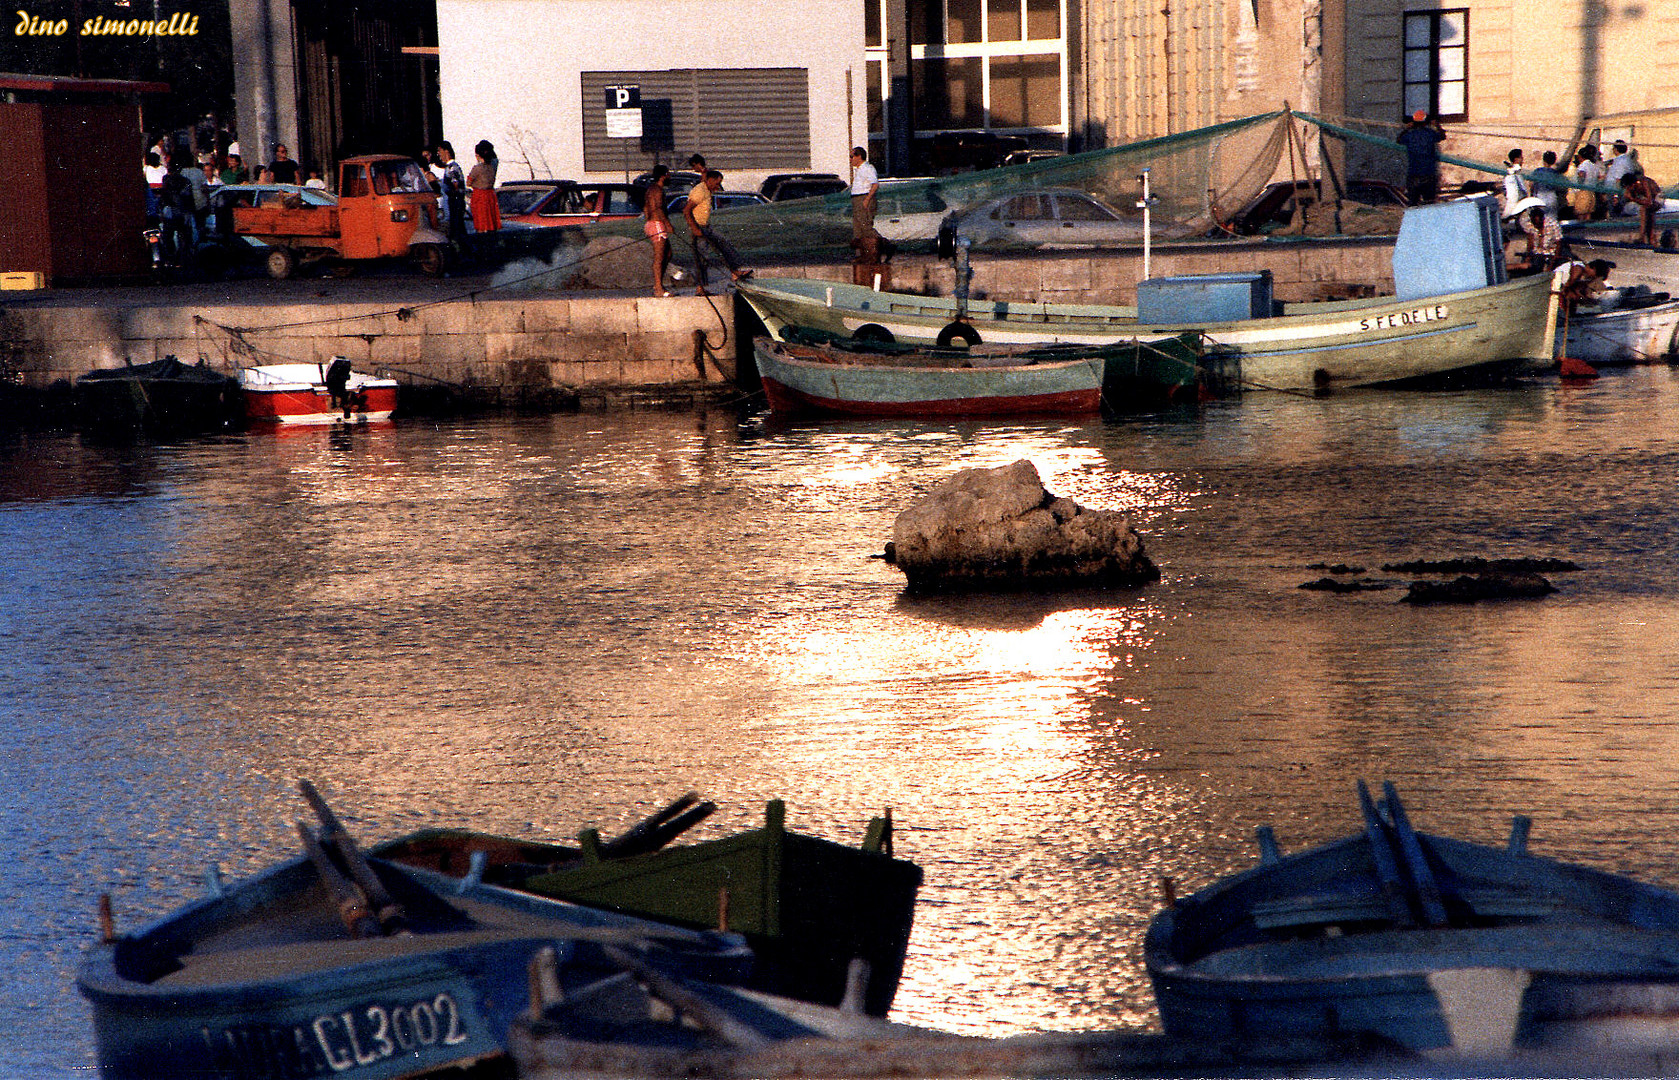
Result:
{"points": [[1193, 177], [1199, 181]]}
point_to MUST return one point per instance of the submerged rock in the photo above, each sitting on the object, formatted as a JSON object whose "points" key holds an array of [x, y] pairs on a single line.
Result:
{"points": [[999, 529], [1467, 589], [1478, 565], [1336, 585]]}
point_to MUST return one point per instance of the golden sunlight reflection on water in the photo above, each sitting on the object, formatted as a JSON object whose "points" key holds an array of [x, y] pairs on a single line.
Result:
{"points": [[528, 626]]}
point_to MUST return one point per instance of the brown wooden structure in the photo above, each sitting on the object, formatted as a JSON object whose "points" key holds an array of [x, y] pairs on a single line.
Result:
{"points": [[72, 195]]}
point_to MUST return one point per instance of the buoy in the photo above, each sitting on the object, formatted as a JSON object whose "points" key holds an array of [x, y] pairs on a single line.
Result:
{"points": [[1572, 368]]}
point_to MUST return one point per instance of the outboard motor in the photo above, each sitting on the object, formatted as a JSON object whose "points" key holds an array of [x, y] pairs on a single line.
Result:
{"points": [[338, 384]]}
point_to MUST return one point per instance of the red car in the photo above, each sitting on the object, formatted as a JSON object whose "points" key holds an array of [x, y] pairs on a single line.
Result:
{"points": [[529, 204]]}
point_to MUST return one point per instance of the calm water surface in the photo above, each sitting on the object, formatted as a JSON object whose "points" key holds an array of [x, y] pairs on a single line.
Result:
{"points": [[533, 625]]}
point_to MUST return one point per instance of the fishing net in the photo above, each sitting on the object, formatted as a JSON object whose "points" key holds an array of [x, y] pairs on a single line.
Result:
{"points": [[1195, 179], [1240, 177]]}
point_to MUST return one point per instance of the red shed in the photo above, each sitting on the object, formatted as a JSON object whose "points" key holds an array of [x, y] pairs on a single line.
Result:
{"points": [[72, 195]]}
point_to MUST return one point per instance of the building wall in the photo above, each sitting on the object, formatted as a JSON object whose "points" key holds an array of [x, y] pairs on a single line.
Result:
{"points": [[1536, 68], [509, 71], [1150, 69]]}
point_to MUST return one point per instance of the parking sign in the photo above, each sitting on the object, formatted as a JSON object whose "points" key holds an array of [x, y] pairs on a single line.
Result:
{"points": [[623, 112]]}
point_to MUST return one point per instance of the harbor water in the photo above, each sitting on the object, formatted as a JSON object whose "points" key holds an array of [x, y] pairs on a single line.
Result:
{"points": [[533, 625]]}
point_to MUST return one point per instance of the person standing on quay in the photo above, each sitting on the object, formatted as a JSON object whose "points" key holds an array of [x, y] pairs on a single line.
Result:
{"points": [[454, 192], [865, 195], [700, 232], [658, 226], [1421, 140], [486, 215], [283, 167]]}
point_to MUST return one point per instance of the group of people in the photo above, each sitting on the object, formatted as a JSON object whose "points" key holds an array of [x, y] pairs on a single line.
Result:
{"points": [[179, 184], [696, 214], [457, 187], [1537, 201]]}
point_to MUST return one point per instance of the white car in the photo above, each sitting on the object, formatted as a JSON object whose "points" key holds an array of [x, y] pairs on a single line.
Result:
{"points": [[909, 210], [1054, 217]]}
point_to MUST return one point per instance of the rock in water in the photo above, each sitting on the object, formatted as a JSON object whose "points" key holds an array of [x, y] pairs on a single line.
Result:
{"points": [[999, 529]]}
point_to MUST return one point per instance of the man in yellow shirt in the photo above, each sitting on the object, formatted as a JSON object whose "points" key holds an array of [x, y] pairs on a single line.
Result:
{"points": [[698, 213]]}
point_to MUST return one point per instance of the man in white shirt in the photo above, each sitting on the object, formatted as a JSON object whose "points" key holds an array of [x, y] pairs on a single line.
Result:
{"points": [[1515, 186], [865, 192], [1618, 166]]}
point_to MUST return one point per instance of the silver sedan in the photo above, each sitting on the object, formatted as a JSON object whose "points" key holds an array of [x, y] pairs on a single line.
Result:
{"points": [[1055, 217]]}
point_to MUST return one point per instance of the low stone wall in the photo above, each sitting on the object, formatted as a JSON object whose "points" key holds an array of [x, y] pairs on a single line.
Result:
{"points": [[500, 347], [1300, 270], [509, 349]]}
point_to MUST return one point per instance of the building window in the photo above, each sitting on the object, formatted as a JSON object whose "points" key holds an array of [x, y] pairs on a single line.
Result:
{"points": [[992, 64], [1437, 63]]}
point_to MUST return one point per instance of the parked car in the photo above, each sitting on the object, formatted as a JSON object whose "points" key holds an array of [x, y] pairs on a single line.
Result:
{"points": [[909, 209], [1022, 157], [1055, 217], [720, 201], [676, 183], [220, 249], [961, 151], [544, 204], [783, 186]]}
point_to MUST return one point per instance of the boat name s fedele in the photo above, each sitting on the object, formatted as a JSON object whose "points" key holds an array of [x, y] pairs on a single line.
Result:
{"points": [[1413, 317], [330, 1044]]}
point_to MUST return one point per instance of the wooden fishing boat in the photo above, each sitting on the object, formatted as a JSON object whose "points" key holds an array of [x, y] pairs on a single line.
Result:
{"points": [[338, 963], [1453, 312], [1428, 943], [329, 393], [1625, 326], [163, 398], [1313, 346], [644, 1023], [868, 379], [807, 906]]}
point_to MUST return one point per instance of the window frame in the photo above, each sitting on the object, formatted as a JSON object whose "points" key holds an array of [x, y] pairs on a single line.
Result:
{"points": [[1434, 17]]}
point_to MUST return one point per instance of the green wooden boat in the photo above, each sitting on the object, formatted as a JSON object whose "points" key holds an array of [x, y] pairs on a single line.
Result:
{"points": [[807, 906]]}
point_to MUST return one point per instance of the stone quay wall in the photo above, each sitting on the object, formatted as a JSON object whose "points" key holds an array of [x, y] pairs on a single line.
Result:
{"points": [[1323, 268], [499, 347]]}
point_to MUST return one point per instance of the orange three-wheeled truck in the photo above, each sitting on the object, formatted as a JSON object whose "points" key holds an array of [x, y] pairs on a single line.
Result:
{"points": [[386, 209]]}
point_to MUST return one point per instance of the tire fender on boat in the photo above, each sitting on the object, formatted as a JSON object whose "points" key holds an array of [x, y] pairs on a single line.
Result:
{"points": [[948, 336]]}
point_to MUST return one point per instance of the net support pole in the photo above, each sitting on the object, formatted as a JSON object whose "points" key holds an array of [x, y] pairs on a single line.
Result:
{"points": [[1146, 202]]}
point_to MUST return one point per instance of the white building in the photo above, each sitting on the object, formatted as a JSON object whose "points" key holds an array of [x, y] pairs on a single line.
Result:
{"points": [[757, 86]]}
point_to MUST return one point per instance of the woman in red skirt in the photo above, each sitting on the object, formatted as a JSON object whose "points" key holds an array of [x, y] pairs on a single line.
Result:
{"points": [[486, 215]]}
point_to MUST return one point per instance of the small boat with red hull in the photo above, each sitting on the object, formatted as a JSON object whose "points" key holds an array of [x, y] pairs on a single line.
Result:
{"points": [[329, 393]]}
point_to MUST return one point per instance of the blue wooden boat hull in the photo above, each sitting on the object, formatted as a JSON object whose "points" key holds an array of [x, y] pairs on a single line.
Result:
{"points": [[808, 379], [213, 990], [1328, 943]]}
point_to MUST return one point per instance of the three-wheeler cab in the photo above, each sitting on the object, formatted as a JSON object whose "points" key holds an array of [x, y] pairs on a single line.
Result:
{"points": [[386, 209]]}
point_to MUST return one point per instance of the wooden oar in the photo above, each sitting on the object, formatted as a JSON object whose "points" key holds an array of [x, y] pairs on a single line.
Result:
{"points": [[660, 829], [1568, 366], [352, 904], [631, 841], [1381, 851], [392, 919], [713, 1018], [1422, 875]]}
